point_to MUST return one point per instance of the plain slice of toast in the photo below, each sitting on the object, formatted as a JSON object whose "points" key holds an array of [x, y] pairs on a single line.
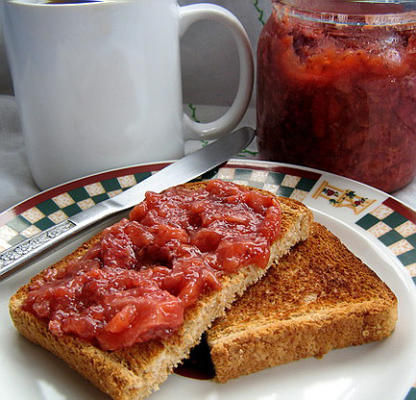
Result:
{"points": [[135, 372], [320, 297]]}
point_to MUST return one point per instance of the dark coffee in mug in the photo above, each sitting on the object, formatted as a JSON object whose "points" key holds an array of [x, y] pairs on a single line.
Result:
{"points": [[70, 2]]}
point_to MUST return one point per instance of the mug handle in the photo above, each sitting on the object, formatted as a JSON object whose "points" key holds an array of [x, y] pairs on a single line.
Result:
{"points": [[211, 130]]}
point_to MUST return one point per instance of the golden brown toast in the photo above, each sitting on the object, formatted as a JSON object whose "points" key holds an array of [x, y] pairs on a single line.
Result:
{"points": [[319, 297], [135, 372]]}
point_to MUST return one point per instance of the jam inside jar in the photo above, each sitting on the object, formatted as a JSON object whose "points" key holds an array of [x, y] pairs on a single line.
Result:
{"points": [[336, 88]]}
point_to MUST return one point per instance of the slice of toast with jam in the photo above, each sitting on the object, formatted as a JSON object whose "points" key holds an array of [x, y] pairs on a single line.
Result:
{"points": [[134, 371]]}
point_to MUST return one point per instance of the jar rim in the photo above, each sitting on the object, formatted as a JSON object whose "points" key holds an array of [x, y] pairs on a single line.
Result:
{"points": [[353, 12]]}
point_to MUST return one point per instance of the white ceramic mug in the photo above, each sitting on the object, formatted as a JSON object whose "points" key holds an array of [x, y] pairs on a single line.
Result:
{"points": [[98, 84]]}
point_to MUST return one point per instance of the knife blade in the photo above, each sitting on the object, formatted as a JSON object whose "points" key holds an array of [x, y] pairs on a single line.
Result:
{"points": [[187, 168]]}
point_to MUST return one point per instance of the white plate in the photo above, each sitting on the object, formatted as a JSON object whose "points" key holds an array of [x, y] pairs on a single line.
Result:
{"points": [[383, 370]]}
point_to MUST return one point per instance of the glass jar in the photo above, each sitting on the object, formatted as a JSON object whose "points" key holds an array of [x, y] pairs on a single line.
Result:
{"points": [[336, 88]]}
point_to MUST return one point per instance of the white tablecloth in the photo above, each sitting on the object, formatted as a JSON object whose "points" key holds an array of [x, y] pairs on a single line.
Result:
{"points": [[17, 184]]}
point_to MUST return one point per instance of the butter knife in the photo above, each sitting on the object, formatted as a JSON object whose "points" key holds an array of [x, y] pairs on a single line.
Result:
{"points": [[187, 168]]}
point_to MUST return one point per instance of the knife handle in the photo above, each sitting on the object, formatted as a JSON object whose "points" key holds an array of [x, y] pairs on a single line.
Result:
{"points": [[30, 248]]}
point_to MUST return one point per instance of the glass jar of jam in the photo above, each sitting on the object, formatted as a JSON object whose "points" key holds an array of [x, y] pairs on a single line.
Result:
{"points": [[337, 88]]}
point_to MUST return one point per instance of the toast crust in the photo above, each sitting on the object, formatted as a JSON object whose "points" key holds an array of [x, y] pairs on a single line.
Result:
{"points": [[320, 297], [135, 372]]}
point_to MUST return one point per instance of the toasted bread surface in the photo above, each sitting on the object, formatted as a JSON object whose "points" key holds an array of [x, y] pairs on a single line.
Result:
{"points": [[135, 372], [319, 297]]}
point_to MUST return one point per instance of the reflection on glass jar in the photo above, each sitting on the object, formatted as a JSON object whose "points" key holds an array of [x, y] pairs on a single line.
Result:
{"points": [[337, 88]]}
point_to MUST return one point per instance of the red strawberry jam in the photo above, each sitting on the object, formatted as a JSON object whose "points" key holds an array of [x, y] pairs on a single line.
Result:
{"points": [[337, 91], [137, 282]]}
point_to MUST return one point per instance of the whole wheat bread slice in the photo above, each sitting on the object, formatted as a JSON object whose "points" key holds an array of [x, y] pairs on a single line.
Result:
{"points": [[320, 297], [135, 372]]}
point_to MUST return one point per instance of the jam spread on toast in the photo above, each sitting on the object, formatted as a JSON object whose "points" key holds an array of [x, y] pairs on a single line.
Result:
{"points": [[136, 283]]}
